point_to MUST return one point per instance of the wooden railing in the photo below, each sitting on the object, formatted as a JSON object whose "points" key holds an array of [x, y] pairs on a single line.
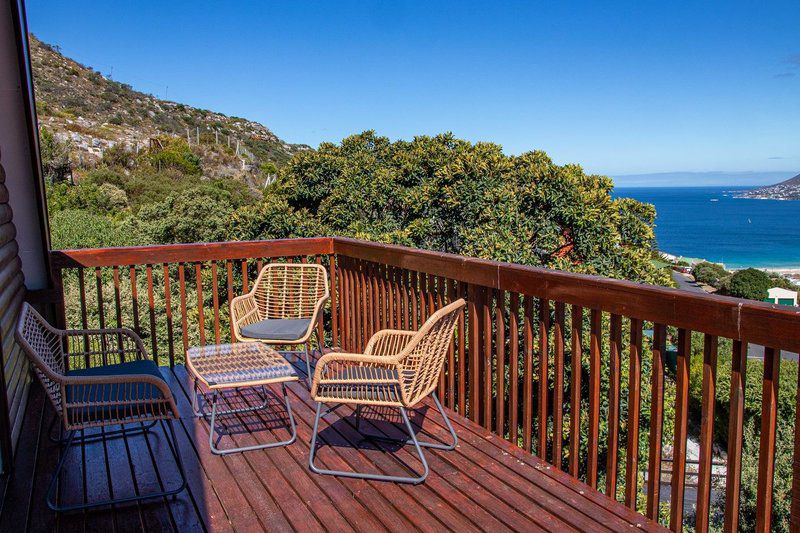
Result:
{"points": [[555, 362]]}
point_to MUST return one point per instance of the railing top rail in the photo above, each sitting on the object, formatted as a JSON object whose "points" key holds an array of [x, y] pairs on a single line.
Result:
{"points": [[756, 322], [184, 253]]}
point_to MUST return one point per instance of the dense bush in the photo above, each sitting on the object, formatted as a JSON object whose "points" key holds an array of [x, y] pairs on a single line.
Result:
{"points": [[174, 153], [55, 157], [710, 273], [750, 283]]}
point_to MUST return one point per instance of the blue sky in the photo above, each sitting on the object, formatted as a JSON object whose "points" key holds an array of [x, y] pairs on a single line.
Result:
{"points": [[620, 88]]}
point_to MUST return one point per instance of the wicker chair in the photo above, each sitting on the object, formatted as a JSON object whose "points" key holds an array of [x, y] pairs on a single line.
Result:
{"points": [[284, 307], [97, 379], [397, 369]]}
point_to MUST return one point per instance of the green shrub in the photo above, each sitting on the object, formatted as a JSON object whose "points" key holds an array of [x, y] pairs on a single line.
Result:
{"points": [[710, 273], [176, 154], [750, 283]]}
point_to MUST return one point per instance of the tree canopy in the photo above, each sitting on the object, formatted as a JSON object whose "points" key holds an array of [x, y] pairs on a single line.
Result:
{"points": [[450, 195], [750, 283]]}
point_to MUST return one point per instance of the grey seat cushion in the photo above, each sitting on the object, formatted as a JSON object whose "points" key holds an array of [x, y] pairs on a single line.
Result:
{"points": [[111, 392], [281, 329]]}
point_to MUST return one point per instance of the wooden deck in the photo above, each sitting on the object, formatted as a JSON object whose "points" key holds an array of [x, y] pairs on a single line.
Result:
{"points": [[486, 483]]}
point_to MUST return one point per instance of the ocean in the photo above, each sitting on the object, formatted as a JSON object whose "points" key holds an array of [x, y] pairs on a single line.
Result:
{"points": [[707, 222]]}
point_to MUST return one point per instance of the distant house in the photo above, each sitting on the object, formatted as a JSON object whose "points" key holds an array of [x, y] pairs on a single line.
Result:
{"points": [[777, 295]]}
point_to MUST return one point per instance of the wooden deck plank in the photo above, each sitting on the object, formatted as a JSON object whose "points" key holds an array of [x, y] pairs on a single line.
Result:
{"points": [[486, 483]]}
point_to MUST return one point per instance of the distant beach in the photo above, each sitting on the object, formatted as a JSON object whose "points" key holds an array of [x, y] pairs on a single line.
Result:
{"points": [[709, 223]]}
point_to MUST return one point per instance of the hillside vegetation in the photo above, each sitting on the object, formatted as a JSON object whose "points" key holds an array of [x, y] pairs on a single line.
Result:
{"points": [[93, 113]]}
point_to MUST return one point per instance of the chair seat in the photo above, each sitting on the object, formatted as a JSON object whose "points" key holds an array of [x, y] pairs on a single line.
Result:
{"points": [[376, 393], [281, 329], [116, 392]]}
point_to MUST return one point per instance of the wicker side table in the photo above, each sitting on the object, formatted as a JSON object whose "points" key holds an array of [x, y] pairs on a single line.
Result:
{"points": [[250, 365]]}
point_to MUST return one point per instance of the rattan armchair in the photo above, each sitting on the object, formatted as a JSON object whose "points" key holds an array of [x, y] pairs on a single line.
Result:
{"points": [[96, 379], [398, 369], [284, 306]]}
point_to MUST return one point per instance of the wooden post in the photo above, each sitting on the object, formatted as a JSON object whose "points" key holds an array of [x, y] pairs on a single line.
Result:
{"points": [[216, 136], [188, 138], [198, 134]]}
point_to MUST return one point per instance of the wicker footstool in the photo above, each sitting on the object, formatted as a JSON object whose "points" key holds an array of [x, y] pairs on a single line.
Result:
{"points": [[235, 366]]}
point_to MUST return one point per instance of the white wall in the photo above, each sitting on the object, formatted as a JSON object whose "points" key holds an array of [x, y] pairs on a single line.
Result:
{"points": [[16, 157]]}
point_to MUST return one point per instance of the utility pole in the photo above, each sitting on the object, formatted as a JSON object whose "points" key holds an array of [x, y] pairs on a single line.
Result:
{"points": [[198, 134], [188, 139], [216, 136], [237, 146]]}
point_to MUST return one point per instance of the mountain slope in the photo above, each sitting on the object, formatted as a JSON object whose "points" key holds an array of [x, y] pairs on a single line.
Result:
{"points": [[95, 113], [785, 190]]}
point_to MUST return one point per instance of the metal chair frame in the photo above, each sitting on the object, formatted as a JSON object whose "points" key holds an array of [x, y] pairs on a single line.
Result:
{"points": [[398, 369]]}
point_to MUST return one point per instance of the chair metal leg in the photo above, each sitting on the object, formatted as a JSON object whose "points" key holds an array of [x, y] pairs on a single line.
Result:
{"points": [[358, 475], [308, 366], [97, 438], [219, 451], [424, 444], [199, 413], [70, 441]]}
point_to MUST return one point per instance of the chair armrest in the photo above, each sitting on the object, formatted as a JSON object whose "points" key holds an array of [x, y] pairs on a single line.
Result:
{"points": [[87, 348], [92, 403], [329, 369], [244, 311], [388, 342]]}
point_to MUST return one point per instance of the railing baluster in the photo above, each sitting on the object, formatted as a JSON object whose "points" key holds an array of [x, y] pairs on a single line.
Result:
{"points": [[118, 309], [558, 385], [201, 323], [474, 352], [576, 369], [544, 349], [134, 299], [151, 307], [84, 321], [500, 366], [414, 307], [320, 324], [634, 408], [615, 345], [229, 286], [527, 376], [336, 291], [595, 335], [117, 299], [681, 428], [101, 315], [215, 300], [364, 314], [656, 421], [182, 294], [462, 358], [766, 448], [441, 288], [708, 400], [451, 352], [245, 283], [513, 370], [486, 332], [168, 305]]}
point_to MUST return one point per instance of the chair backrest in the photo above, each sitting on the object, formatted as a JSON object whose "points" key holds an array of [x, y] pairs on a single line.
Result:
{"points": [[290, 290], [42, 344], [422, 360]]}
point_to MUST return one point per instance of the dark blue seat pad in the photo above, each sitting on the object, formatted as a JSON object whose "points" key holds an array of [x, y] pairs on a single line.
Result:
{"points": [[283, 329], [113, 392]]}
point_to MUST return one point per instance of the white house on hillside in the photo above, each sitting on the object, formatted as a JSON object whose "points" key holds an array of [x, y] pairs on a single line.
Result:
{"points": [[777, 295]]}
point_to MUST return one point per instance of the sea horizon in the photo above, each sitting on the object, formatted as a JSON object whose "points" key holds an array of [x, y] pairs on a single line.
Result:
{"points": [[707, 222]]}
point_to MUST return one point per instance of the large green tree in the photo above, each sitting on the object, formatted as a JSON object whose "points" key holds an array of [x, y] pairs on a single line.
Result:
{"points": [[451, 195]]}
